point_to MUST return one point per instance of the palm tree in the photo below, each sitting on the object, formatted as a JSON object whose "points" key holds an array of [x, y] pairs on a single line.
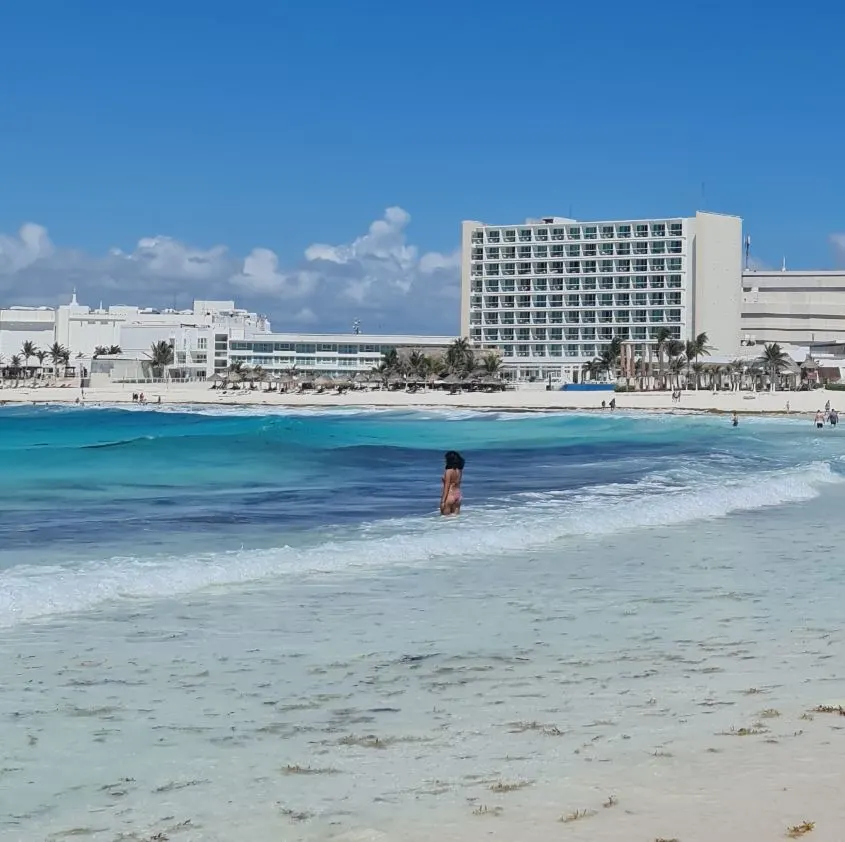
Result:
{"points": [[259, 375], [41, 355], [735, 369], [698, 368], [459, 357], [161, 355], [593, 368], [57, 354], [390, 360], [701, 346], [774, 360], [662, 337], [15, 366], [29, 350], [492, 363]]}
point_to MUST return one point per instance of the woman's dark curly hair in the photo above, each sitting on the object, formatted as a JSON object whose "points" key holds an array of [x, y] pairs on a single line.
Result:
{"points": [[454, 460]]}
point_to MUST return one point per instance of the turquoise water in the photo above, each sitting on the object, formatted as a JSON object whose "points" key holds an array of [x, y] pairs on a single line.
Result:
{"points": [[192, 602]]}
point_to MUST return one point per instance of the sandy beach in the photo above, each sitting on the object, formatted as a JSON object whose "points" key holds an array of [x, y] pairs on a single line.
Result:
{"points": [[524, 398]]}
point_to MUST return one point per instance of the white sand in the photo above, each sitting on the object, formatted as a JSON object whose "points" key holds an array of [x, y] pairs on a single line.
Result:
{"points": [[522, 398]]}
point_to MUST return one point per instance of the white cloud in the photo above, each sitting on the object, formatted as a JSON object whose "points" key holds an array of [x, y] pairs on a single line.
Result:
{"points": [[30, 245], [378, 277]]}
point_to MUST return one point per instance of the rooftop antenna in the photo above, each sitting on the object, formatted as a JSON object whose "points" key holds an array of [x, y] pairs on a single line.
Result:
{"points": [[747, 249], [356, 327]]}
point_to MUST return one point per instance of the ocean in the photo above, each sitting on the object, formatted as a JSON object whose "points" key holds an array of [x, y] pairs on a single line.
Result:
{"points": [[240, 623]]}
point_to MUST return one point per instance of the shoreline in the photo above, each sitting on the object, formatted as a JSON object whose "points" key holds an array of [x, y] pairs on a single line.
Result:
{"points": [[747, 404]]}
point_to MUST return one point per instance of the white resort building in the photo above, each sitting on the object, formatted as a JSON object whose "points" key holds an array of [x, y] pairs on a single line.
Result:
{"points": [[551, 293]]}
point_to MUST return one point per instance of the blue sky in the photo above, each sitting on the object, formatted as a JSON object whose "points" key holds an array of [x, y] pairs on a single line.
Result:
{"points": [[165, 130]]}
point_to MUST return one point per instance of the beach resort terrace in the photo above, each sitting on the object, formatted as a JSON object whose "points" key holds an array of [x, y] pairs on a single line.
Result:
{"points": [[329, 354]]}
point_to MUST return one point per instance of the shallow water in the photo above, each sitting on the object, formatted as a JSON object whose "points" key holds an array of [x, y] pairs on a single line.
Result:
{"points": [[619, 595]]}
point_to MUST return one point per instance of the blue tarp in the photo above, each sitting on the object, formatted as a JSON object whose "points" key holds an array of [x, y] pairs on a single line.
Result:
{"points": [[587, 387]]}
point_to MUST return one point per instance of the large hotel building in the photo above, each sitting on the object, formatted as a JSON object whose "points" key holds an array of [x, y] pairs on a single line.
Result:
{"points": [[551, 293]]}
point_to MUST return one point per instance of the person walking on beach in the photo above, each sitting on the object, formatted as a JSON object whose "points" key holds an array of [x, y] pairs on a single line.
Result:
{"points": [[451, 497], [819, 420], [833, 417]]}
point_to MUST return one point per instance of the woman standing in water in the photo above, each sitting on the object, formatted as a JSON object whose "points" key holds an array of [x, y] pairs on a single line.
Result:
{"points": [[450, 498]]}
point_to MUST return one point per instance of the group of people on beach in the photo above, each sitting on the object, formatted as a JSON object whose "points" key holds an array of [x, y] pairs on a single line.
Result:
{"points": [[829, 416]]}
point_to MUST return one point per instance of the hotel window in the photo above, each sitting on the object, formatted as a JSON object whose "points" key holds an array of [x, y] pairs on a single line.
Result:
{"points": [[623, 282], [572, 317], [557, 251], [571, 350], [673, 264], [622, 316], [605, 282], [606, 248], [676, 229], [573, 250], [508, 350], [640, 299], [539, 317], [675, 246], [477, 269], [555, 350], [623, 231], [574, 233], [540, 285], [641, 247], [673, 298], [523, 269], [477, 236], [510, 235], [492, 236], [507, 333], [524, 284], [573, 267], [641, 231], [525, 235], [606, 266], [590, 232], [588, 333], [590, 250], [491, 319], [509, 269], [588, 283], [523, 334], [623, 299], [475, 334], [674, 315], [508, 252], [640, 265], [541, 251], [657, 282], [478, 254], [639, 333], [606, 300], [607, 232], [202, 343], [556, 316], [492, 268], [558, 233], [589, 266], [674, 282], [623, 266], [605, 333], [573, 284], [656, 317], [539, 350], [525, 252], [640, 281], [507, 318], [475, 301], [573, 301], [539, 300], [539, 333], [493, 253], [542, 234], [623, 248], [658, 247], [492, 286], [523, 302], [508, 285], [557, 267], [656, 299], [658, 229], [588, 301], [638, 317], [658, 264], [491, 334]]}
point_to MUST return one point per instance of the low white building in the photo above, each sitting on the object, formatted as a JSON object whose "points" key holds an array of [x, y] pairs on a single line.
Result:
{"points": [[198, 336], [334, 354]]}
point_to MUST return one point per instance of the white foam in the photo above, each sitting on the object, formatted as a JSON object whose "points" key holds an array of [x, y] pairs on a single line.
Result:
{"points": [[29, 592]]}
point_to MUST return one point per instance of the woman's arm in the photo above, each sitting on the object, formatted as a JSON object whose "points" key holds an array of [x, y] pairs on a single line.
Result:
{"points": [[447, 484]]}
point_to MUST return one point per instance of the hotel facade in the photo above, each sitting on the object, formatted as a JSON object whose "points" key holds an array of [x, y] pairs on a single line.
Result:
{"points": [[550, 294]]}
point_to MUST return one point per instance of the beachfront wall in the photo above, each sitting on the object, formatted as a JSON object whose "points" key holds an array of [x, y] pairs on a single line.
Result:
{"points": [[793, 307], [25, 324]]}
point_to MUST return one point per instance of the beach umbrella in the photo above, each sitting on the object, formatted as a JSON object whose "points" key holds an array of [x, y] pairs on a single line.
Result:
{"points": [[809, 364], [217, 378], [324, 380]]}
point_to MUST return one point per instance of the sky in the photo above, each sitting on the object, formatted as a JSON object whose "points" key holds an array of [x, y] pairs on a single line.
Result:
{"points": [[314, 161]]}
